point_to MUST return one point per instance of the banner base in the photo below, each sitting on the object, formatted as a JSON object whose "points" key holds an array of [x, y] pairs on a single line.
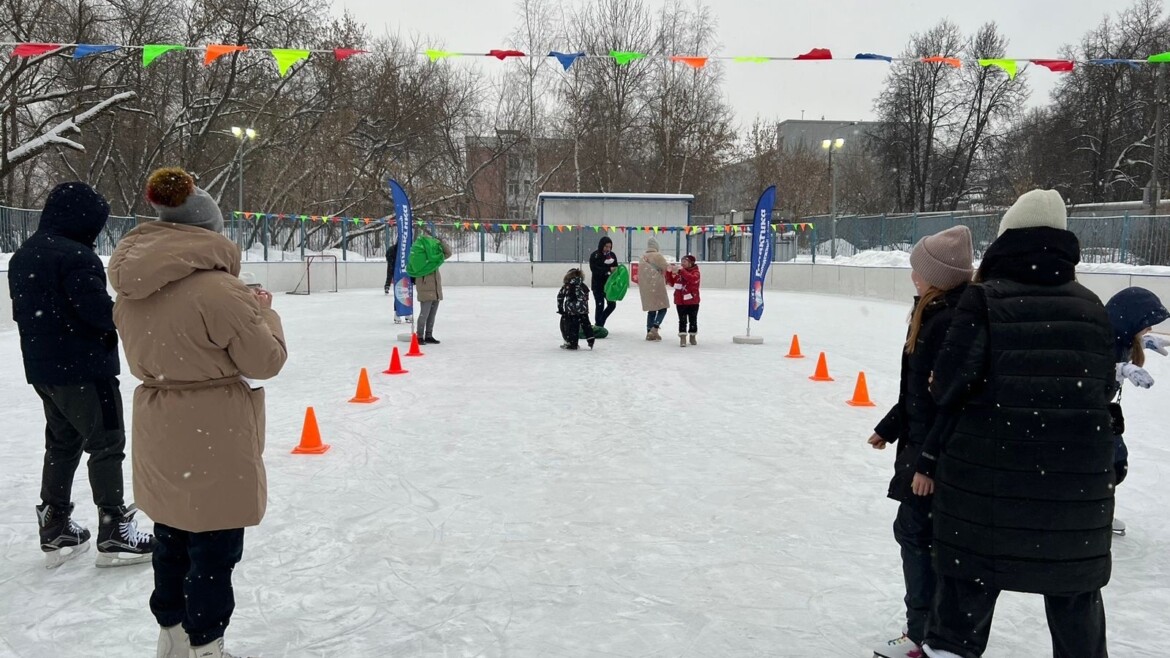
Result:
{"points": [[748, 340], [404, 338]]}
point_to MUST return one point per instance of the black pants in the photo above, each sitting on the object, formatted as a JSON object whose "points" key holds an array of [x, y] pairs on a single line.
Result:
{"points": [[685, 314], [571, 327], [193, 580], [961, 620], [83, 418], [604, 308], [913, 530]]}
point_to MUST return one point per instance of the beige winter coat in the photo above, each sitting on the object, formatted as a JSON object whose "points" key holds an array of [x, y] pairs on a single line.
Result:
{"points": [[652, 280], [429, 288], [191, 330]]}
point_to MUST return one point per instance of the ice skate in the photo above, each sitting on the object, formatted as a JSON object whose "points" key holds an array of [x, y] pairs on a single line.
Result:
{"points": [[61, 538], [213, 650], [682, 340], [1119, 527], [901, 647], [173, 643], [591, 343], [120, 543], [566, 346], [693, 339]]}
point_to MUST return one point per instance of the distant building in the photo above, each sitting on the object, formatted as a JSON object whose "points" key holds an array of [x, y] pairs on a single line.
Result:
{"points": [[795, 134], [510, 171]]}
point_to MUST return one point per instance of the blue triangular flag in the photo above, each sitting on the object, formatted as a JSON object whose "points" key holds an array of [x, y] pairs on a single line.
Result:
{"points": [[884, 58], [1115, 61], [566, 59], [85, 50]]}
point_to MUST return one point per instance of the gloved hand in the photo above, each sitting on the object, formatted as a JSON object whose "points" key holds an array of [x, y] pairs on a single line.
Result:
{"points": [[1138, 376], [1156, 343]]}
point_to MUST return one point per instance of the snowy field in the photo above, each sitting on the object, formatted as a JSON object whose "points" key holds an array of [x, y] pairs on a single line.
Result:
{"points": [[507, 498]]}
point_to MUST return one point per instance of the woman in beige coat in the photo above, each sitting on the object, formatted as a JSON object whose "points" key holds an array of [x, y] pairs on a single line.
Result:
{"points": [[652, 287], [193, 332]]}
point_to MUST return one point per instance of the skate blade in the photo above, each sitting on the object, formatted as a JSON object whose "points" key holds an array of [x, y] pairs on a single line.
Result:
{"points": [[109, 560], [54, 559], [1119, 533]]}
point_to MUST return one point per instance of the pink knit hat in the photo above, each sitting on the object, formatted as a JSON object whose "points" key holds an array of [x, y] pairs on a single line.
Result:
{"points": [[944, 259]]}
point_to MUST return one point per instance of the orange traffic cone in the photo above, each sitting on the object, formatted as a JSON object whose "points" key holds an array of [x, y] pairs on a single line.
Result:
{"points": [[822, 373], [395, 365], [414, 350], [861, 393], [310, 437], [364, 395], [794, 351]]}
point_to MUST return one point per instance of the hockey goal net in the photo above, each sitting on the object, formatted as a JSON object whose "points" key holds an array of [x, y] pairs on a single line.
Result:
{"points": [[319, 275]]}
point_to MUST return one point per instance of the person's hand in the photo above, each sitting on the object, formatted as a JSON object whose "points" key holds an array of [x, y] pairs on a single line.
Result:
{"points": [[877, 442], [1156, 343], [1136, 375], [922, 485], [264, 298]]}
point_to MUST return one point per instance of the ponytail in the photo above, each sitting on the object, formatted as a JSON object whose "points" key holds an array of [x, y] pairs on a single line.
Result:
{"points": [[916, 316]]}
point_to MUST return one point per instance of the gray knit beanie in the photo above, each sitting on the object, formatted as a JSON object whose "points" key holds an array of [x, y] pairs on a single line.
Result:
{"points": [[173, 194], [943, 260]]}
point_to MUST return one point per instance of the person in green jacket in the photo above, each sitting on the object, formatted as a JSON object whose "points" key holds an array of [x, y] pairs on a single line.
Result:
{"points": [[429, 292]]}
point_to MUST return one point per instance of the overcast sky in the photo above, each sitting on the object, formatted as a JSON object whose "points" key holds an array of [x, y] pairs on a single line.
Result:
{"points": [[783, 90]]}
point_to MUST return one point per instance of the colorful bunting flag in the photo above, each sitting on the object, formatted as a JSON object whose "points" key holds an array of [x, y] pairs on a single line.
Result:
{"points": [[505, 54], [872, 56], [34, 49], [751, 60], [693, 62], [436, 55], [1160, 58], [85, 50], [623, 57], [815, 54], [953, 62], [1055, 65], [1008, 66], [153, 51], [1110, 62], [215, 51], [566, 59], [342, 54], [285, 59]]}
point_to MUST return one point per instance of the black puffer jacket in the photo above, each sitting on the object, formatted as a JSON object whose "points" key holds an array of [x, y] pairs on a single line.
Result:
{"points": [[601, 264], [1024, 487], [59, 298], [573, 299], [910, 420]]}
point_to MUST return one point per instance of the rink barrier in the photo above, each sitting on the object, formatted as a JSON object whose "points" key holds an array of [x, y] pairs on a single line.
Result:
{"points": [[884, 283]]}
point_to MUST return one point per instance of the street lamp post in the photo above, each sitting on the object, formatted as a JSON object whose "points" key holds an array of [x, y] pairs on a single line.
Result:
{"points": [[244, 135], [834, 144]]}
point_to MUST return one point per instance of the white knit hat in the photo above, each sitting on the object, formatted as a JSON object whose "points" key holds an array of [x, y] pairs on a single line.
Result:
{"points": [[1034, 209]]}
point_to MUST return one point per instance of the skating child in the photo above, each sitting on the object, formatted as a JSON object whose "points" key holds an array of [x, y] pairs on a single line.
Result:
{"points": [[685, 281], [940, 268], [1133, 312], [573, 307]]}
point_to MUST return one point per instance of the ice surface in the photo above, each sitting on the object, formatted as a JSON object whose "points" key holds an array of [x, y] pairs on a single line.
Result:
{"points": [[508, 498]]}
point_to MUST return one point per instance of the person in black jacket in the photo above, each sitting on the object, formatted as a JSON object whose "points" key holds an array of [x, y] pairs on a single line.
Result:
{"points": [[1023, 497], [1133, 313], [602, 263], [573, 307], [70, 347], [941, 269]]}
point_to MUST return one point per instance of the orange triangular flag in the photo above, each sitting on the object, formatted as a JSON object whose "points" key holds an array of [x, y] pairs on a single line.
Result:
{"points": [[950, 61], [693, 62], [216, 51]]}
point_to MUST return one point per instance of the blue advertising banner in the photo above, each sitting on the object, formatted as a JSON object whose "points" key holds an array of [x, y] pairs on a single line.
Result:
{"points": [[403, 291], [762, 245]]}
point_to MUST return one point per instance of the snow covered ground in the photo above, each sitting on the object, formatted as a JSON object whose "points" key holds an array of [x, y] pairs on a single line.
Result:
{"points": [[507, 498], [877, 258]]}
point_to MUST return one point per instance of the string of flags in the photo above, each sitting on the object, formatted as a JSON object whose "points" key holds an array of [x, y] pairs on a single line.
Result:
{"points": [[506, 227], [286, 58]]}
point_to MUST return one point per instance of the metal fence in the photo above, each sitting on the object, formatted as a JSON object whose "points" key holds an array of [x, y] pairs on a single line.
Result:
{"points": [[1130, 238]]}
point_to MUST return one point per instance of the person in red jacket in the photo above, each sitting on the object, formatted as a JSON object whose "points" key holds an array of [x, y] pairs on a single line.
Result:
{"points": [[685, 281]]}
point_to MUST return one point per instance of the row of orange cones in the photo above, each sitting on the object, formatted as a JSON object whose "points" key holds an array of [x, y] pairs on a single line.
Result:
{"points": [[860, 392], [311, 435]]}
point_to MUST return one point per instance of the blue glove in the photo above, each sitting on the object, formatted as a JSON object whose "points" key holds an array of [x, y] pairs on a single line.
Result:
{"points": [[1156, 343], [1136, 375]]}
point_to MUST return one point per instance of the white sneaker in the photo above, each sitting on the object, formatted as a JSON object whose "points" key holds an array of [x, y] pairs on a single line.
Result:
{"points": [[173, 642], [213, 650], [900, 647]]}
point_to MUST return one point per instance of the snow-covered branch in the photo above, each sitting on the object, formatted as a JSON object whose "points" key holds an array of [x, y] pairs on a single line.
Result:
{"points": [[55, 136]]}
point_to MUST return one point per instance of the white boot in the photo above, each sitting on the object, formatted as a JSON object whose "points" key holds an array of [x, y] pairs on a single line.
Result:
{"points": [[173, 642], [682, 340], [939, 653], [900, 647], [213, 650]]}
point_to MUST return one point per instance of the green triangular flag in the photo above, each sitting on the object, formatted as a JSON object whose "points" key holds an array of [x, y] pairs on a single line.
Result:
{"points": [[436, 55], [1163, 58], [151, 52], [751, 60], [624, 57], [1009, 66], [286, 58], [476, 225]]}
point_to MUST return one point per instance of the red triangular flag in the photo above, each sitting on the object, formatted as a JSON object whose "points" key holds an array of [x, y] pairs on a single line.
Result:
{"points": [[816, 53], [505, 54], [34, 49], [343, 54], [1055, 65]]}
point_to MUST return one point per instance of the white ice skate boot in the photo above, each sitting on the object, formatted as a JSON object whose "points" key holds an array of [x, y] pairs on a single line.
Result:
{"points": [[173, 642], [900, 647], [1119, 527], [213, 650], [939, 653]]}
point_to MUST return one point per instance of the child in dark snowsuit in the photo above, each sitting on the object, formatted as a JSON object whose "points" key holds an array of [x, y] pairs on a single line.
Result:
{"points": [[573, 307]]}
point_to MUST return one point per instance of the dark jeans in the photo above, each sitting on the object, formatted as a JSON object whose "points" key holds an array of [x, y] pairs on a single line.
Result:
{"points": [[654, 319], [193, 580], [83, 418], [913, 531], [961, 620], [571, 327], [689, 314], [604, 308]]}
